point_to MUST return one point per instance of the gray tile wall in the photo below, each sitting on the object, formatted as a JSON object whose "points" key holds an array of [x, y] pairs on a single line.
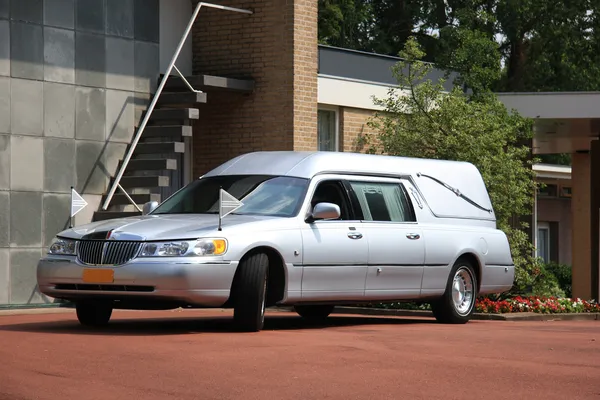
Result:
{"points": [[74, 77]]}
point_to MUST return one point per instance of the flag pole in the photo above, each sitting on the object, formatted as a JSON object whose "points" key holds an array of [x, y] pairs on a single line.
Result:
{"points": [[71, 210], [220, 201]]}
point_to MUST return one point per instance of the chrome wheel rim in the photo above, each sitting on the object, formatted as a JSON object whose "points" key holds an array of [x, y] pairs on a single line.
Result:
{"points": [[463, 291], [264, 300]]}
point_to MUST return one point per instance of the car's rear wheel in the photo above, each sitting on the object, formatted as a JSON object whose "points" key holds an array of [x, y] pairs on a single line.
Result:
{"points": [[314, 312], [93, 313], [457, 304], [250, 293]]}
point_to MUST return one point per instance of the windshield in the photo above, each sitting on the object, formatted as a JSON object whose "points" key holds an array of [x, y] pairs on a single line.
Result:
{"points": [[262, 195]]}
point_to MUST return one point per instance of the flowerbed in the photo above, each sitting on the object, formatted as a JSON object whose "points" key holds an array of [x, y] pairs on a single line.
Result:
{"points": [[536, 304]]}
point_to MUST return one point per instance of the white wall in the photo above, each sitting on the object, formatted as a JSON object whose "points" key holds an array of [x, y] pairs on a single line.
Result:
{"points": [[174, 17], [344, 92]]}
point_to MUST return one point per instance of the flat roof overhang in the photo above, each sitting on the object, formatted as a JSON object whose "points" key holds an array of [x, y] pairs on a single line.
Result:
{"points": [[565, 122]]}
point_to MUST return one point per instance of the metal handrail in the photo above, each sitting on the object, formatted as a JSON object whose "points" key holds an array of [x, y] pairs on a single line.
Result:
{"points": [[116, 183]]}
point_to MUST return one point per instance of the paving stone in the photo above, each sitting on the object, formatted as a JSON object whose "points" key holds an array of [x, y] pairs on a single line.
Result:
{"points": [[56, 215], [90, 59], [90, 16], [4, 276], [27, 50], [147, 20], [4, 9], [23, 279], [90, 117], [26, 163], [4, 104], [4, 48], [4, 163], [4, 219], [59, 165], [119, 18], [59, 110], [27, 107], [147, 65], [27, 10], [59, 55], [120, 113], [119, 64], [26, 219], [60, 13], [89, 167]]}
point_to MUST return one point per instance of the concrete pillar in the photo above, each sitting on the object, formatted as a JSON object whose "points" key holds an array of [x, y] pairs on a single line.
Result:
{"points": [[582, 225], [594, 185]]}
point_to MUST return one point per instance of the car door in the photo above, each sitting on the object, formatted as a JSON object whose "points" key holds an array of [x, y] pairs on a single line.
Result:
{"points": [[396, 246], [334, 251]]}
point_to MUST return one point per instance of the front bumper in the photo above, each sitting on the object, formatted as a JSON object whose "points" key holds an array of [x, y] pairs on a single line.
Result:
{"points": [[194, 281]]}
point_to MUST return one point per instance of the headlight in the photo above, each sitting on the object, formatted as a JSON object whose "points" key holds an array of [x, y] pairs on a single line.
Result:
{"points": [[62, 247], [201, 247]]}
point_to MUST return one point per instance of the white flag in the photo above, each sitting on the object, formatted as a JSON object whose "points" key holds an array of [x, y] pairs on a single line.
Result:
{"points": [[228, 204], [77, 202]]}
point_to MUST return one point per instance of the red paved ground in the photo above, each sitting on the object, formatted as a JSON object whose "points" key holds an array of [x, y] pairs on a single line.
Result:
{"points": [[194, 355]]}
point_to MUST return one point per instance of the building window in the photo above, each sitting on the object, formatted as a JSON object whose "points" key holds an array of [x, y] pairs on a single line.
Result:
{"points": [[543, 241], [327, 130]]}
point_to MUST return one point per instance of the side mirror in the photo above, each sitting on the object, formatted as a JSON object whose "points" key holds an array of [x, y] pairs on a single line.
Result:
{"points": [[149, 207], [325, 211]]}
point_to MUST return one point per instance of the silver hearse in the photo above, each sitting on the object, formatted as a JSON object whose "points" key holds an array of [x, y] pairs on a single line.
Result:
{"points": [[308, 230]]}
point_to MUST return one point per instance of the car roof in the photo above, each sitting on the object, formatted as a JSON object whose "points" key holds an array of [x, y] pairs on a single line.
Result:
{"points": [[305, 164], [443, 183]]}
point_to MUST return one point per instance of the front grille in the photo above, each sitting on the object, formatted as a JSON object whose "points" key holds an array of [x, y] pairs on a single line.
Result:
{"points": [[107, 252], [111, 288]]}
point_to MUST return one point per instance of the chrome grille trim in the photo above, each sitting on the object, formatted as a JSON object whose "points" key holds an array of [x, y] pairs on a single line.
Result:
{"points": [[107, 252]]}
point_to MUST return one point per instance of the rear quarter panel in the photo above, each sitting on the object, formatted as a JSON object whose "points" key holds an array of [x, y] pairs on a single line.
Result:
{"points": [[445, 244]]}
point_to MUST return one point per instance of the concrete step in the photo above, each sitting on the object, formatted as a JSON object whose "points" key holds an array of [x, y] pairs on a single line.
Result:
{"points": [[144, 181], [158, 164], [181, 99], [120, 199], [210, 83], [174, 131], [159, 148], [104, 215], [172, 114]]}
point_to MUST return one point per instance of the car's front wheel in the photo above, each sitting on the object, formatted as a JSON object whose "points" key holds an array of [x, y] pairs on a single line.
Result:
{"points": [[457, 304], [250, 293], [91, 313]]}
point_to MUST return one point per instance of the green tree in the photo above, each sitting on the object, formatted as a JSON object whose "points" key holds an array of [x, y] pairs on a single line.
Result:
{"points": [[344, 23], [420, 119], [499, 45]]}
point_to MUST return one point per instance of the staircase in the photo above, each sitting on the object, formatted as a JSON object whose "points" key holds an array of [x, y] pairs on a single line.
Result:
{"points": [[158, 156]]}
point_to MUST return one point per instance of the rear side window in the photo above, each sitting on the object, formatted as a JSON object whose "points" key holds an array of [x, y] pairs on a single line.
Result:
{"points": [[383, 201]]}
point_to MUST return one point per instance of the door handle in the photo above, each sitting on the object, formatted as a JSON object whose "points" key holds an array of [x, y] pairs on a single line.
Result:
{"points": [[354, 235], [413, 236]]}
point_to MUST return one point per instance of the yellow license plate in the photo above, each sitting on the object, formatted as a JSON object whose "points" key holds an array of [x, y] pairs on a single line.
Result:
{"points": [[93, 275]]}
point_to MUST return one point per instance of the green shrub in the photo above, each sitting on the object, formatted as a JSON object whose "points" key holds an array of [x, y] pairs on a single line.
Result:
{"points": [[563, 275]]}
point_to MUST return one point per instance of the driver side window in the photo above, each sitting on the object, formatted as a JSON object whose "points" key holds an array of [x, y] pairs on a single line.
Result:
{"points": [[333, 191]]}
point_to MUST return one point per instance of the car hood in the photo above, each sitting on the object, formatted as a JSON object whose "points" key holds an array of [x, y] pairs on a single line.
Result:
{"points": [[160, 227]]}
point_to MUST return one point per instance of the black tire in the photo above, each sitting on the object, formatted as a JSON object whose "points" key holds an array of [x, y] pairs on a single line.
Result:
{"points": [[93, 313], [250, 293], [314, 312], [445, 309]]}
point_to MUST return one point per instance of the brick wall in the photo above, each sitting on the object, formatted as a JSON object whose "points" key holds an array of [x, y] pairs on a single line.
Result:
{"points": [[277, 47], [353, 126]]}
